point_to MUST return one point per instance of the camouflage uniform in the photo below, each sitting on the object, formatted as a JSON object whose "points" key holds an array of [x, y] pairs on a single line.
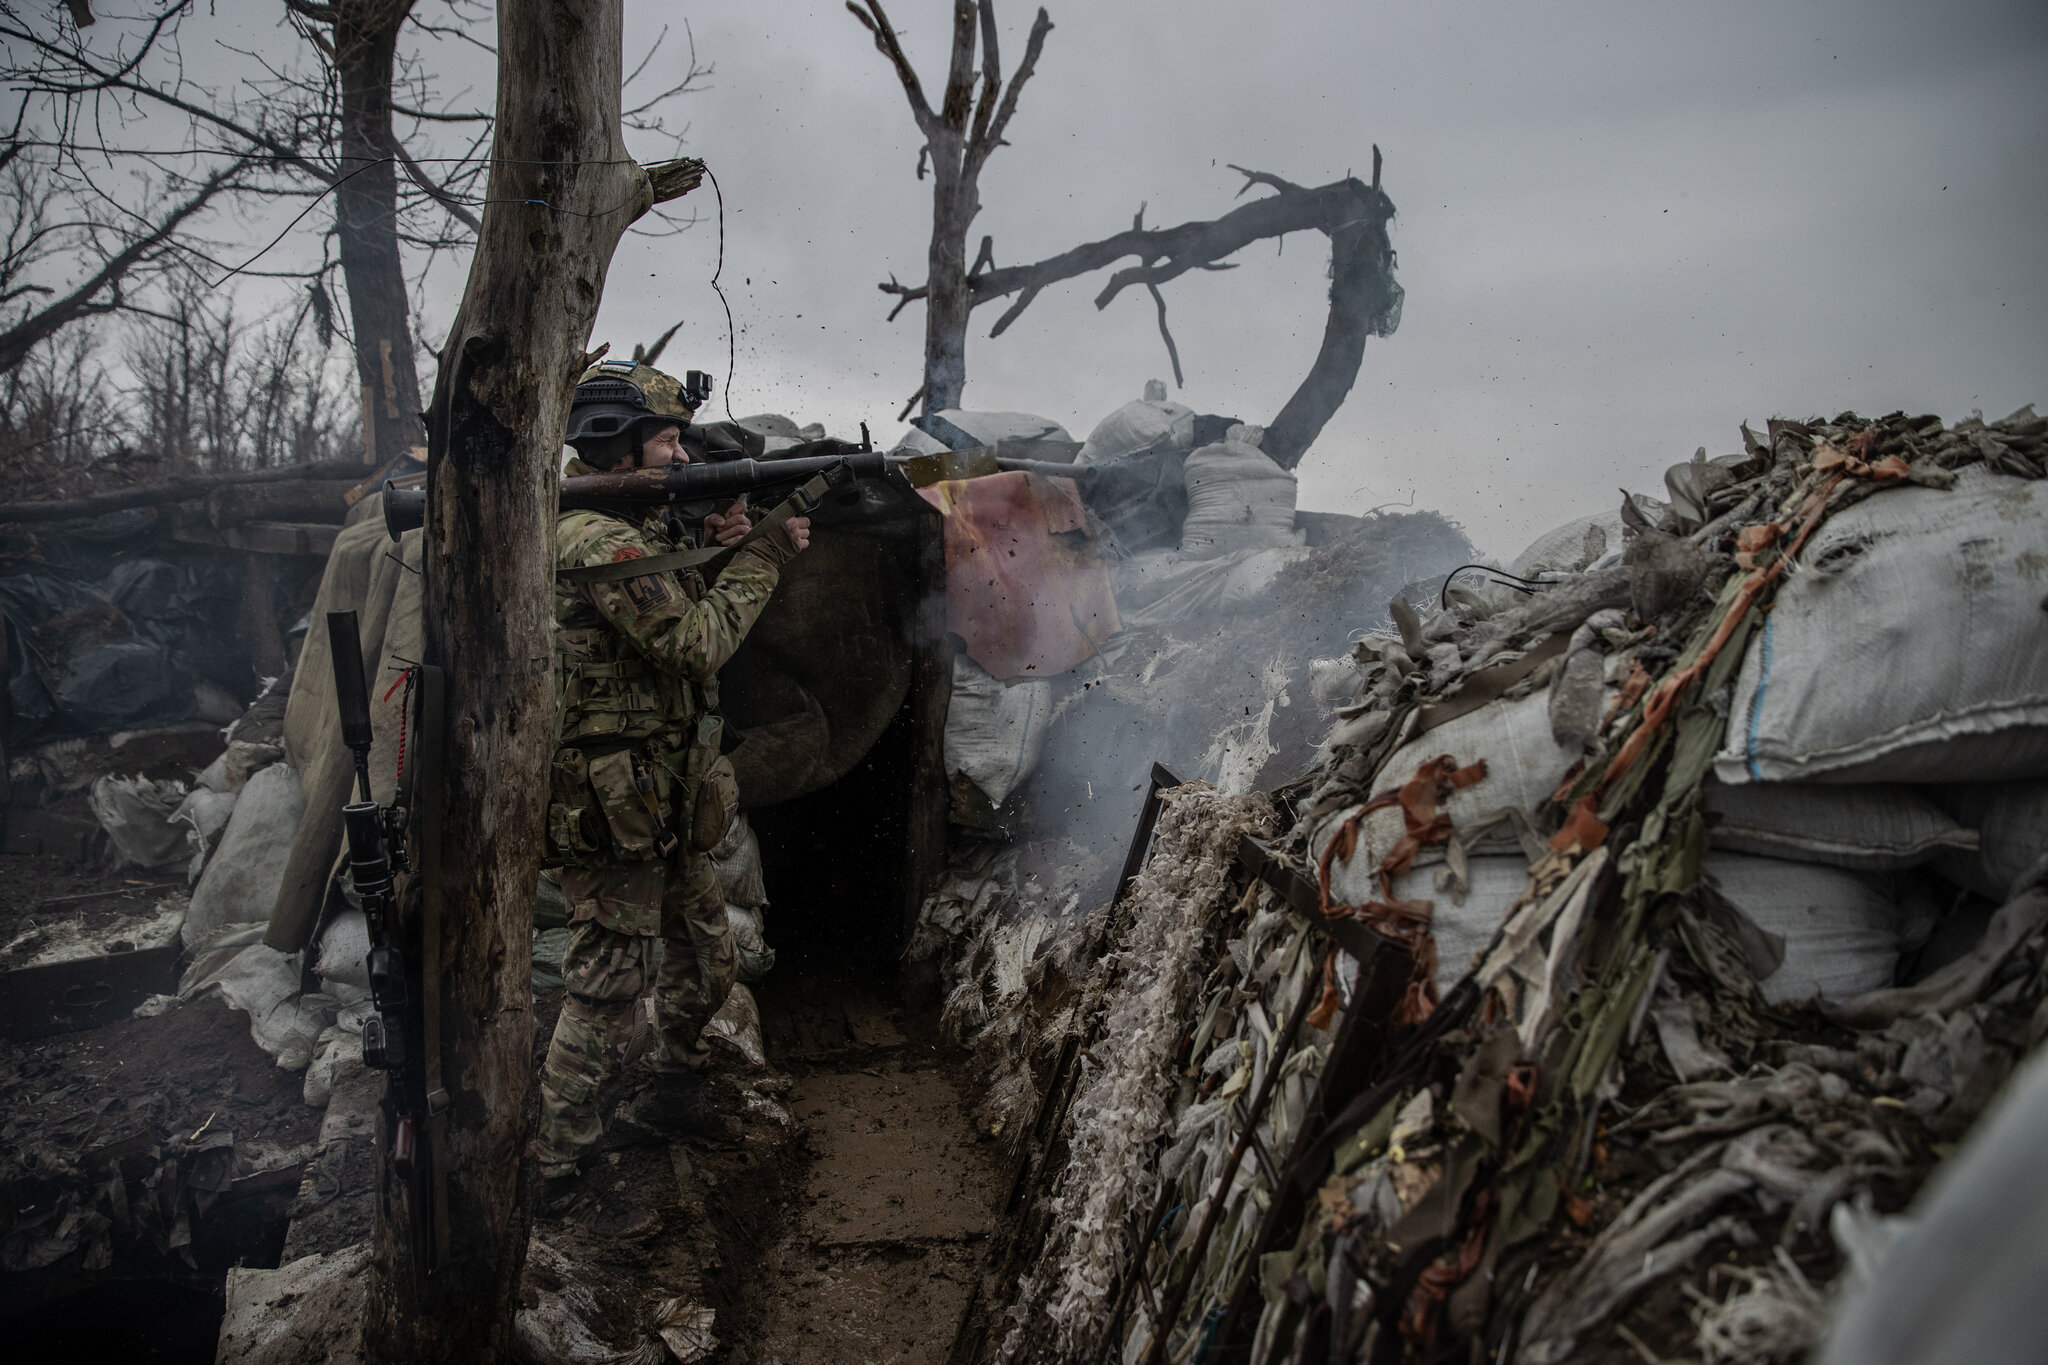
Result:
{"points": [[639, 796]]}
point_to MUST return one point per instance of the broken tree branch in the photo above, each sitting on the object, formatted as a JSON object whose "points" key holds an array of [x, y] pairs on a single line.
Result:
{"points": [[1365, 300]]}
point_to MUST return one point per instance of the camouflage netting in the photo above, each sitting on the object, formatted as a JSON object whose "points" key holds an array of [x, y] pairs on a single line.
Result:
{"points": [[1640, 1108]]}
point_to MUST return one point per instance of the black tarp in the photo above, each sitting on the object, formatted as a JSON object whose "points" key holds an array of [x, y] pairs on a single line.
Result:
{"points": [[112, 626]]}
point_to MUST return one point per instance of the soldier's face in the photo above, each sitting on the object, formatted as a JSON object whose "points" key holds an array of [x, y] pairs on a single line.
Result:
{"points": [[663, 448]]}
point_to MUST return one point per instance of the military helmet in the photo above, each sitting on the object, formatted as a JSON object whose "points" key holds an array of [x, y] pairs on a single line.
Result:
{"points": [[618, 404]]}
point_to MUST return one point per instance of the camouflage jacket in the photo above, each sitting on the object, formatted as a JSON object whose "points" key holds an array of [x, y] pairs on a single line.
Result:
{"points": [[638, 658]]}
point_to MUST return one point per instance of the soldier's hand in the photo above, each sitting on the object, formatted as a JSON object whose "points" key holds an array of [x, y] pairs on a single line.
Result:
{"points": [[800, 531], [729, 526]]}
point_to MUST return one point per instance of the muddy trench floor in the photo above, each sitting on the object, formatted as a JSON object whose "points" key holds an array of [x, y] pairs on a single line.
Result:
{"points": [[851, 1220]]}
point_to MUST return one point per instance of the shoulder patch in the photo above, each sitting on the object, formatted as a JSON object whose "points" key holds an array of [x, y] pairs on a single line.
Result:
{"points": [[626, 552]]}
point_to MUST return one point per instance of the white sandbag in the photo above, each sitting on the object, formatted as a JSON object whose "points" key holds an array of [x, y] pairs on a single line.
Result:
{"points": [[995, 731], [738, 860], [263, 983], [750, 943], [1238, 499], [1964, 1281], [337, 1052], [1909, 647], [136, 814], [1143, 424], [2011, 820], [1524, 764], [915, 442], [1464, 930], [242, 759], [989, 428], [241, 880], [1165, 587], [1841, 928], [1570, 547], [1871, 826], [344, 951], [204, 812]]}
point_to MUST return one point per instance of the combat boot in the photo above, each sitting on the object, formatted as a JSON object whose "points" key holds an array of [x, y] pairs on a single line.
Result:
{"points": [[675, 1104]]}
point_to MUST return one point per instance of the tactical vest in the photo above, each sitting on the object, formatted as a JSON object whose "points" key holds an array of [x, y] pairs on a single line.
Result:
{"points": [[635, 746], [608, 695]]}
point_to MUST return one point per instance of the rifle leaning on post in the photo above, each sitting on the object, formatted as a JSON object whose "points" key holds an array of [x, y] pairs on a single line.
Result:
{"points": [[401, 1036]]}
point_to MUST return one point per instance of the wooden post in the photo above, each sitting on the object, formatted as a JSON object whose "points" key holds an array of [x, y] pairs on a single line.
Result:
{"points": [[562, 190], [259, 615]]}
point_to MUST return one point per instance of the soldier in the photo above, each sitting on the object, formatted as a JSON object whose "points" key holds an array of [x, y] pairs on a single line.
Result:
{"points": [[640, 791]]}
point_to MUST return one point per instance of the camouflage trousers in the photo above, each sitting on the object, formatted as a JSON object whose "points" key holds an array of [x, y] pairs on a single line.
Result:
{"points": [[620, 911]]}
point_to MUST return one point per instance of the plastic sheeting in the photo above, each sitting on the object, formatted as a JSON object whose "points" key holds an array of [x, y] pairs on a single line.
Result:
{"points": [[94, 647]]}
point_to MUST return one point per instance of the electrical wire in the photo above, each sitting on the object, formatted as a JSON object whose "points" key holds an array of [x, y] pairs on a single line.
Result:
{"points": [[731, 342]]}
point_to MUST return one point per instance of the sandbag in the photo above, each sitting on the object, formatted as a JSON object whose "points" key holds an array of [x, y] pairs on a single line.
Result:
{"points": [[137, 815], [1964, 1281], [2011, 820], [1524, 764], [1909, 646], [995, 731], [961, 430], [1570, 547], [1462, 930], [738, 860], [1238, 499], [344, 954], [264, 984], [1164, 587], [1840, 928], [1142, 424], [205, 813], [1871, 826], [241, 880]]}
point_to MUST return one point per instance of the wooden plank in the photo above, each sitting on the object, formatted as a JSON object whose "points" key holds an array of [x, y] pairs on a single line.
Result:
{"points": [[261, 537], [65, 997]]}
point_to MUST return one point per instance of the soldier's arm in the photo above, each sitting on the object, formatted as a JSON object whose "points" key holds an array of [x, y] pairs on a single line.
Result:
{"points": [[689, 639]]}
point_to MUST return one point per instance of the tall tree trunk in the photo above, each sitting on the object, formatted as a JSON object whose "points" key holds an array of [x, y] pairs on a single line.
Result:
{"points": [[954, 205], [562, 191], [366, 223]]}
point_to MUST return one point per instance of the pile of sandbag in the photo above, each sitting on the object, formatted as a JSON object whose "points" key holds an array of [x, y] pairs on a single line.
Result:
{"points": [[1685, 905]]}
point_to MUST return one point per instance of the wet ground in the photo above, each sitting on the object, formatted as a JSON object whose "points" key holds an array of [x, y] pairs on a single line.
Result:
{"points": [[848, 1222]]}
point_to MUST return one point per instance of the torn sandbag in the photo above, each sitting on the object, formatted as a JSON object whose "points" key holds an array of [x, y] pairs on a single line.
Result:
{"points": [[1875, 827], [1238, 498], [1027, 583], [1148, 423], [137, 815], [995, 731], [1840, 928], [239, 885], [1935, 592]]}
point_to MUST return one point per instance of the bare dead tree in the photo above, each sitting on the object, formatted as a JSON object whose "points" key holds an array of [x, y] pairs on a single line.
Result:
{"points": [[959, 137], [562, 192], [312, 129], [1365, 299]]}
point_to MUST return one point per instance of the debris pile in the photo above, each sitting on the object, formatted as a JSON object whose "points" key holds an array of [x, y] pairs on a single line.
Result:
{"points": [[1670, 899]]}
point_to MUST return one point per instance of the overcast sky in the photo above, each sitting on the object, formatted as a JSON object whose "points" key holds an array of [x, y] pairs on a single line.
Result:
{"points": [[1623, 227]]}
